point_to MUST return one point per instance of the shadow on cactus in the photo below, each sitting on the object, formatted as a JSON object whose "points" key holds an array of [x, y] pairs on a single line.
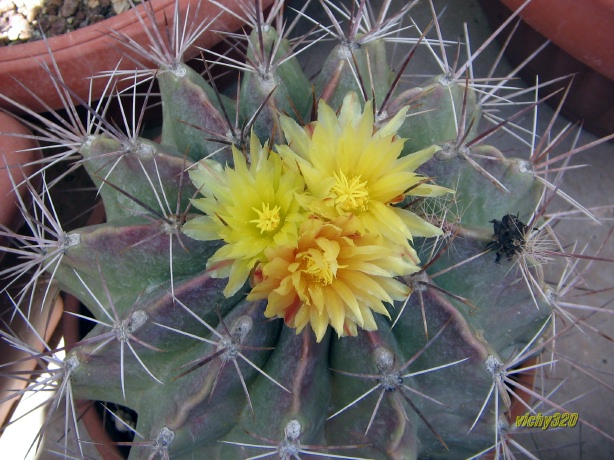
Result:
{"points": [[309, 263]]}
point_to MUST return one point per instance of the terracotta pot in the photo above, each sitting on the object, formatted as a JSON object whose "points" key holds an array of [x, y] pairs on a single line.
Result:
{"points": [[582, 45], [582, 28], [18, 151], [14, 151], [88, 51]]}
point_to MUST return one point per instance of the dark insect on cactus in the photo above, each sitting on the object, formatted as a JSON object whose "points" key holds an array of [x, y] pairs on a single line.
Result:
{"points": [[300, 265]]}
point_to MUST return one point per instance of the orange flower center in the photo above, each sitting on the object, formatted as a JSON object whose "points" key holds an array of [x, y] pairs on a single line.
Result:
{"points": [[320, 263], [317, 267]]}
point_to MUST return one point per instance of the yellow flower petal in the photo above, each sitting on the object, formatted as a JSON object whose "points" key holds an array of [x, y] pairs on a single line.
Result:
{"points": [[350, 167], [418, 226], [201, 228], [251, 207], [295, 135]]}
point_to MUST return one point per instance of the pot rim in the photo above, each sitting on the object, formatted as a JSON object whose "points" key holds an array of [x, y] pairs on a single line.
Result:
{"points": [[583, 29]]}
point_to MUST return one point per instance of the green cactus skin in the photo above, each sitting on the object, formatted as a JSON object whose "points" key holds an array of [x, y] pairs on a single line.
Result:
{"points": [[211, 377]]}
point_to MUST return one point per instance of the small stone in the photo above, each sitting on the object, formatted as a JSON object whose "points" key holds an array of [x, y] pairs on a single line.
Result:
{"points": [[119, 6], [43, 23], [58, 26], [18, 27], [31, 9], [4, 25], [69, 7], [93, 3], [6, 6], [32, 14], [26, 34], [96, 18]]}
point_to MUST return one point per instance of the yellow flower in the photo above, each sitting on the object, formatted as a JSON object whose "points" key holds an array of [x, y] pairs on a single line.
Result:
{"points": [[351, 168], [250, 208], [334, 275]]}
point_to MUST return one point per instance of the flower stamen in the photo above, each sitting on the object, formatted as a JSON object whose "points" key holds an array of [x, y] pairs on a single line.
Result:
{"points": [[317, 267], [268, 219], [351, 193]]}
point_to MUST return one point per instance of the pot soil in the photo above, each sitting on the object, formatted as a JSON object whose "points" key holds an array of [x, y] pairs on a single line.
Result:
{"points": [[87, 52]]}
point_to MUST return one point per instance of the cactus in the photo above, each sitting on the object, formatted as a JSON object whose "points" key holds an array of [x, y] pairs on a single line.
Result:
{"points": [[333, 265]]}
